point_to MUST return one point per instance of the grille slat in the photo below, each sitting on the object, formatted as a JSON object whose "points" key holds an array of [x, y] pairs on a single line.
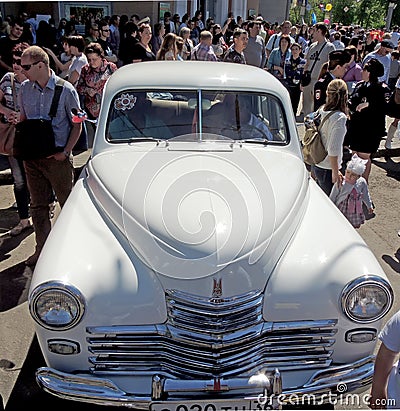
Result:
{"points": [[204, 338]]}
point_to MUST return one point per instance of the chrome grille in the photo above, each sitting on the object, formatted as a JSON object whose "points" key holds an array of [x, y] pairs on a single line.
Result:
{"points": [[206, 338]]}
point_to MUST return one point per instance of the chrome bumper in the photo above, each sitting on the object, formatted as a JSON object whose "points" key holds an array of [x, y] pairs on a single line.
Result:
{"points": [[344, 379]]}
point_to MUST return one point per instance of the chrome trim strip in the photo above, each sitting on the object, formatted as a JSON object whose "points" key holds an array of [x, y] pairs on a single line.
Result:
{"points": [[172, 351], [87, 389], [203, 315], [357, 376]]}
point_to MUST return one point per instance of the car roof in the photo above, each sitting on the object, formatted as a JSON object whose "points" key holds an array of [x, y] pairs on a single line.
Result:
{"points": [[192, 74]]}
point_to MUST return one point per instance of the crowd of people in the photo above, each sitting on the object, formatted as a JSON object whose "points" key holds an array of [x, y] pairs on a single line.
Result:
{"points": [[305, 59], [344, 72]]}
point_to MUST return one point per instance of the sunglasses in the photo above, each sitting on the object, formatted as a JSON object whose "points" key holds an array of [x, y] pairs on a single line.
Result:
{"points": [[16, 61], [27, 67], [105, 30]]}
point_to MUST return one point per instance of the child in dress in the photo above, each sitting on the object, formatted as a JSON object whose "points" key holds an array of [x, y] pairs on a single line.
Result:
{"points": [[353, 192]]}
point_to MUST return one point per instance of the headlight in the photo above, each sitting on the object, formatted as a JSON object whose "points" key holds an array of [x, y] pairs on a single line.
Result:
{"points": [[367, 299], [56, 306]]}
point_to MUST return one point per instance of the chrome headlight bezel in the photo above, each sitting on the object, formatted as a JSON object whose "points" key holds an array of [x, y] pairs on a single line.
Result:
{"points": [[71, 297], [373, 281]]}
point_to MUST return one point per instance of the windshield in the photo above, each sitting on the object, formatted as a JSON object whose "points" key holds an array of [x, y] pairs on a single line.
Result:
{"points": [[161, 115]]}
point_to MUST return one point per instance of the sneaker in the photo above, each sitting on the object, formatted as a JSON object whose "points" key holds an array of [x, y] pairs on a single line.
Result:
{"points": [[32, 260], [19, 228]]}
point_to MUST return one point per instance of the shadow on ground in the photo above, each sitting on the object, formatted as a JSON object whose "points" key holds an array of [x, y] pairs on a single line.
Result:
{"points": [[14, 279], [391, 167], [26, 392], [394, 263]]}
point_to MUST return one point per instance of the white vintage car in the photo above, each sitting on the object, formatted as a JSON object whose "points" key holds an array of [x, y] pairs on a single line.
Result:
{"points": [[196, 265]]}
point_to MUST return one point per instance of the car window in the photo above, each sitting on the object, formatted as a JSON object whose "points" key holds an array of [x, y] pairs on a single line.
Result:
{"points": [[162, 115]]}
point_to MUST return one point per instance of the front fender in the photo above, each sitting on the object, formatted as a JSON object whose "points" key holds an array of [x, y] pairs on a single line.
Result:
{"points": [[324, 255], [98, 261]]}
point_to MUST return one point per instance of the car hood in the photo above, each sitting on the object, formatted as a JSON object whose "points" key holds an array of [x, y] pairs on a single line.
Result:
{"points": [[190, 214]]}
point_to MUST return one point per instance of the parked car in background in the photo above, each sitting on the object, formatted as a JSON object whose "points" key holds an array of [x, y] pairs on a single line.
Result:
{"points": [[196, 265]]}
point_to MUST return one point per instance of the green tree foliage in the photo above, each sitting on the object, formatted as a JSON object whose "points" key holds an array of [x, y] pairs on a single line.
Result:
{"points": [[367, 13]]}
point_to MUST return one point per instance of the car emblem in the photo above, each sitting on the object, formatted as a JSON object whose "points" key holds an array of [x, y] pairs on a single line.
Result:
{"points": [[217, 385], [217, 291]]}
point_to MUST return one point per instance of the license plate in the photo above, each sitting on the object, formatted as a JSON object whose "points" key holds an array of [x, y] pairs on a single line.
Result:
{"points": [[216, 405]]}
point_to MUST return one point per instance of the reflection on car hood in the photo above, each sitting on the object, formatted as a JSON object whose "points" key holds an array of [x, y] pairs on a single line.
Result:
{"points": [[192, 214]]}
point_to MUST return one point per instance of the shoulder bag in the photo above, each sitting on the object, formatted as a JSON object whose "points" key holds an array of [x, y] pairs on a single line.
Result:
{"points": [[273, 44], [312, 146], [7, 130], [34, 138], [306, 76]]}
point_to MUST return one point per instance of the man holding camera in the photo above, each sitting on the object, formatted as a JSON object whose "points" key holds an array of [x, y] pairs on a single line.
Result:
{"points": [[53, 172]]}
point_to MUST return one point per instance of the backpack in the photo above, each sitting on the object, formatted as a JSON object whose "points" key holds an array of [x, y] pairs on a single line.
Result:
{"points": [[312, 147]]}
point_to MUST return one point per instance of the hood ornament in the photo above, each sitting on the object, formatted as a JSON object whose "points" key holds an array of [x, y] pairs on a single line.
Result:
{"points": [[216, 296]]}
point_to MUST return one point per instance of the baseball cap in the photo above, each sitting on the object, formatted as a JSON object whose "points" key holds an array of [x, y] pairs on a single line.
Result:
{"points": [[145, 20], [388, 44]]}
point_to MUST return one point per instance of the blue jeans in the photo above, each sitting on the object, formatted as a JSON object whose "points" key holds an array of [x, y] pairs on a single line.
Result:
{"points": [[21, 192], [324, 178]]}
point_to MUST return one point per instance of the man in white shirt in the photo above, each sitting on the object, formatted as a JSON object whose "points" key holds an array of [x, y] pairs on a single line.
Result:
{"points": [[395, 35], [273, 41], [317, 54], [382, 55], [337, 41]]}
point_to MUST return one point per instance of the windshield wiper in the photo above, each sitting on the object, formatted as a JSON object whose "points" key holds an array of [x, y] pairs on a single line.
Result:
{"points": [[135, 140], [255, 141]]}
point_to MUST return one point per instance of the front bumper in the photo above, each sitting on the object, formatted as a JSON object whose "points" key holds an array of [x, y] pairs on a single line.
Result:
{"points": [[338, 380]]}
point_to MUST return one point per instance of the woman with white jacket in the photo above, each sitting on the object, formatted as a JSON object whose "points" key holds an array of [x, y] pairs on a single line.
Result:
{"points": [[327, 172]]}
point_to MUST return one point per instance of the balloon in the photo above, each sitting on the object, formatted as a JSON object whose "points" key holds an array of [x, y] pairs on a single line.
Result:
{"points": [[327, 21], [328, 7], [313, 18]]}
